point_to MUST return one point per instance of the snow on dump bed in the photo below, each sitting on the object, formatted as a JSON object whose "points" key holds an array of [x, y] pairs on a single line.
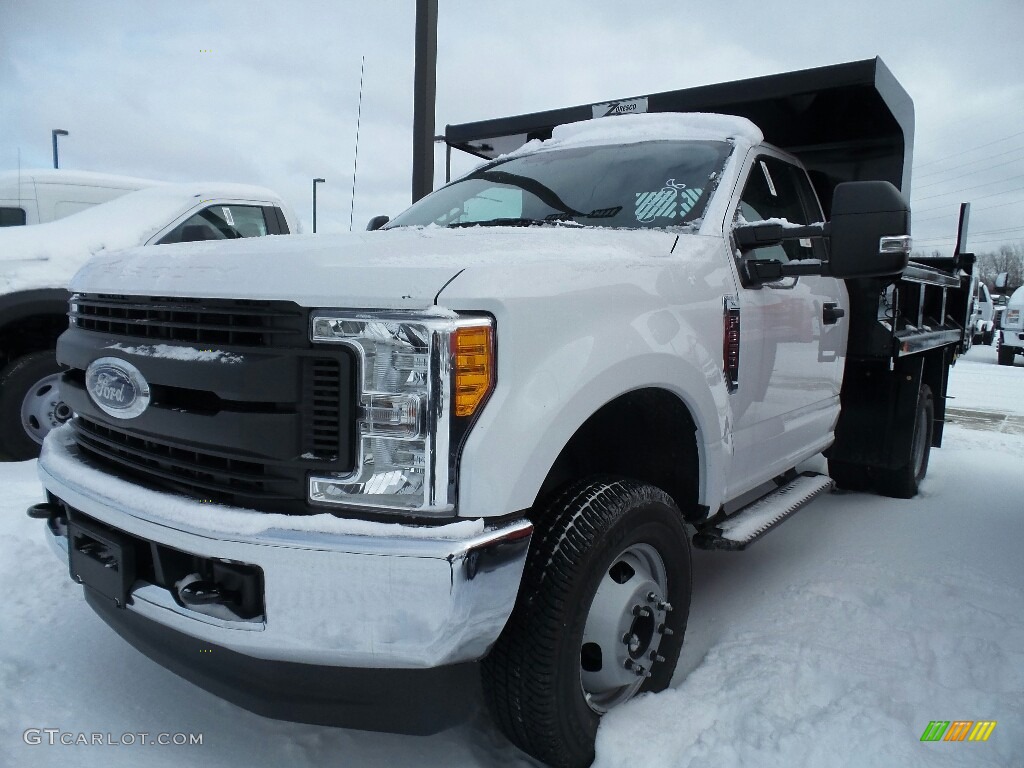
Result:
{"points": [[172, 509], [47, 255], [661, 126]]}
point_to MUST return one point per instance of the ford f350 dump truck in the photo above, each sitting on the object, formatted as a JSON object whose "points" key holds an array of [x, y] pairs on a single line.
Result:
{"points": [[491, 430]]}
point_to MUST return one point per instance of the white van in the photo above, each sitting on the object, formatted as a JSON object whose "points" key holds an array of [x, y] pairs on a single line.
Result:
{"points": [[39, 196]]}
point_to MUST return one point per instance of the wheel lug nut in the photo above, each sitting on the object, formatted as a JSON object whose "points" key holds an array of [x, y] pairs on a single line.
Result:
{"points": [[665, 630], [628, 664], [641, 610], [656, 657], [652, 598], [664, 606], [641, 671]]}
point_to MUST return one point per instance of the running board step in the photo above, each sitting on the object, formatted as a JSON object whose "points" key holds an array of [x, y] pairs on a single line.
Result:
{"points": [[756, 519]]}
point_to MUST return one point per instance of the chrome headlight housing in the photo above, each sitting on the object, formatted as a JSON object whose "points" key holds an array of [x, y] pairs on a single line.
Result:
{"points": [[421, 380]]}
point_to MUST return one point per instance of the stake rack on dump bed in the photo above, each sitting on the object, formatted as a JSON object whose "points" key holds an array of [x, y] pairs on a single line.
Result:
{"points": [[490, 430]]}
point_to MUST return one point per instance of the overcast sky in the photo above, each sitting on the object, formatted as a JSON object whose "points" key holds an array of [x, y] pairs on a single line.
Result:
{"points": [[266, 93]]}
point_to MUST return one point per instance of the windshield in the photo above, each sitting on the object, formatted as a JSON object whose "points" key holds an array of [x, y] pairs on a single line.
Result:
{"points": [[644, 185]]}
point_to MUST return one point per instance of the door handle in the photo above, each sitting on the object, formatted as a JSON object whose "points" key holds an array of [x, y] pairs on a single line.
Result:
{"points": [[830, 313]]}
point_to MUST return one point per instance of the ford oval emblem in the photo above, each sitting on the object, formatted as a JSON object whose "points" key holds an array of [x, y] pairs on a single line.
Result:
{"points": [[117, 387]]}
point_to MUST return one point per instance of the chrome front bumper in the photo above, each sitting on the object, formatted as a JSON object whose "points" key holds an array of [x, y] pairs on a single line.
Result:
{"points": [[370, 601]]}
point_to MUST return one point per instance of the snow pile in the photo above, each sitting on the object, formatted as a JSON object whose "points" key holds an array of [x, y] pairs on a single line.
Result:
{"points": [[47, 255], [178, 353]]}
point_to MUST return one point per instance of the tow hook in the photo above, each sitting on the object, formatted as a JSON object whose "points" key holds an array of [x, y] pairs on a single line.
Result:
{"points": [[194, 591], [44, 510]]}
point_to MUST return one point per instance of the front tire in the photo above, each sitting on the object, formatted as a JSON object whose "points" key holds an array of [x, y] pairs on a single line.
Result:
{"points": [[608, 573], [1006, 354], [30, 404]]}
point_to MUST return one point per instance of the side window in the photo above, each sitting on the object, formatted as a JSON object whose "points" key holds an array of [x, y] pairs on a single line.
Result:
{"points": [[778, 190], [219, 222], [12, 217]]}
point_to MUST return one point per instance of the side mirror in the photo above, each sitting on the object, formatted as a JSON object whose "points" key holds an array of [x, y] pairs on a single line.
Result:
{"points": [[1001, 280], [869, 230], [764, 233], [377, 222]]}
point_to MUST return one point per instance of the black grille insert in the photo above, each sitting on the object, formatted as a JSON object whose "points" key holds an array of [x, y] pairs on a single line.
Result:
{"points": [[199, 474], [234, 322]]}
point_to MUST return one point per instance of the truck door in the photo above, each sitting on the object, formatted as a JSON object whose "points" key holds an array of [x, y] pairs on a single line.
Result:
{"points": [[791, 342]]}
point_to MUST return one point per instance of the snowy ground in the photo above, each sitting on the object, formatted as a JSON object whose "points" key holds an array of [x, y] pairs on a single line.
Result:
{"points": [[832, 642]]}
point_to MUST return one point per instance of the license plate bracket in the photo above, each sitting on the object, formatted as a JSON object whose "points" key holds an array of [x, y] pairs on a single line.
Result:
{"points": [[101, 558]]}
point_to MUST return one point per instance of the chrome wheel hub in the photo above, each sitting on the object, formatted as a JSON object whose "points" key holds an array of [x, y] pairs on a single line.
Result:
{"points": [[624, 628], [42, 409]]}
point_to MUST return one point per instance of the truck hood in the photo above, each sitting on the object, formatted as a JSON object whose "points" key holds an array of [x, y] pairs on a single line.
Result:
{"points": [[403, 268]]}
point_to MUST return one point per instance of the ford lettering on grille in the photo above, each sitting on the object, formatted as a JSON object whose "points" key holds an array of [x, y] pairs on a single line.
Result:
{"points": [[117, 387]]}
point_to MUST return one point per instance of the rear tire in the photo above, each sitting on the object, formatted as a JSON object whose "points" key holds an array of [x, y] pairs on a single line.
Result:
{"points": [[903, 483], [1006, 355], [599, 552], [29, 404]]}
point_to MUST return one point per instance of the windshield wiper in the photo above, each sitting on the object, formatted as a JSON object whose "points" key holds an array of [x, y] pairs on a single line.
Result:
{"points": [[554, 220]]}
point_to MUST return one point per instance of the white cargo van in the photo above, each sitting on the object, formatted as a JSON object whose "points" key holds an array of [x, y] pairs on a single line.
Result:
{"points": [[39, 196]]}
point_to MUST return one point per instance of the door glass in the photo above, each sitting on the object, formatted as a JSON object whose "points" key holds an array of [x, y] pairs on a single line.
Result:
{"points": [[773, 192], [219, 222]]}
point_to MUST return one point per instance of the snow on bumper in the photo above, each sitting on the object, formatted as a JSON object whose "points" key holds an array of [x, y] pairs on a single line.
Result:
{"points": [[400, 599]]}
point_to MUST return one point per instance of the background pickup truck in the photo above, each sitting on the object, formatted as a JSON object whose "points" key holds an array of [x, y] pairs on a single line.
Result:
{"points": [[36, 263], [490, 430]]}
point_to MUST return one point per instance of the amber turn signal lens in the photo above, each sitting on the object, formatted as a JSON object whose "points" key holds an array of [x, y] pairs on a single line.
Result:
{"points": [[474, 368]]}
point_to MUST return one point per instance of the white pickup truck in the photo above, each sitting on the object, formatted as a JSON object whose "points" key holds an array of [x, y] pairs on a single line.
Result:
{"points": [[1011, 335], [490, 430], [37, 262]]}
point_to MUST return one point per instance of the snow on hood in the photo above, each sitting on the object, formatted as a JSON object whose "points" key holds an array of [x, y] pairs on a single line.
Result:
{"points": [[47, 255], [402, 268], [662, 126]]}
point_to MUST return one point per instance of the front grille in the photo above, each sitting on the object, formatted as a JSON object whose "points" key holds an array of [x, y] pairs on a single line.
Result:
{"points": [[244, 433], [199, 474], [232, 322]]}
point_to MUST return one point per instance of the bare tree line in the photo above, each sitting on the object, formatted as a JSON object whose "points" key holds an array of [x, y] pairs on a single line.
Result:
{"points": [[1008, 258]]}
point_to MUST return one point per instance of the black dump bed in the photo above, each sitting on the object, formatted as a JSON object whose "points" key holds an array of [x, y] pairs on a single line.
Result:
{"points": [[846, 122]]}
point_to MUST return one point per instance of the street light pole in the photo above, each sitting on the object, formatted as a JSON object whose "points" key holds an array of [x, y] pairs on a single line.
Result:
{"points": [[315, 182], [55, 133]]}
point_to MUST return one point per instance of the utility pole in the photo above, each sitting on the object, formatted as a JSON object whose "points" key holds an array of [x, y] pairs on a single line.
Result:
{"points": [[424, 99], [315, 182], [55, 133]]}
